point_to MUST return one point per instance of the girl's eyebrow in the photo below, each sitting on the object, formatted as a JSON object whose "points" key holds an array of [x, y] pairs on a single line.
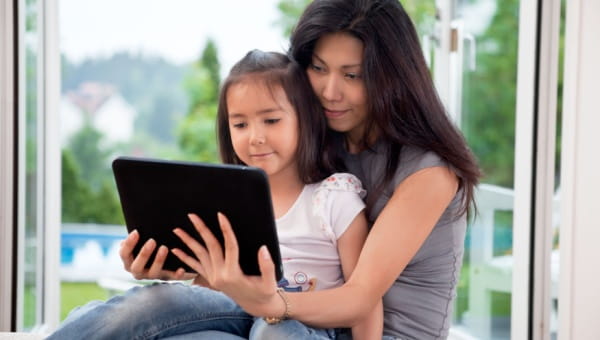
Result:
{"points": [[343, 66], [261, 112]]}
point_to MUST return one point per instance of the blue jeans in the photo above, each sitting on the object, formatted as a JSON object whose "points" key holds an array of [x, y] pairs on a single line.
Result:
{"points": [[176, 312]]}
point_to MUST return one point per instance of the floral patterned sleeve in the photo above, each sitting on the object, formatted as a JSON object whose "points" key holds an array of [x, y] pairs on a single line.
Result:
{"points": [[336, 202]]}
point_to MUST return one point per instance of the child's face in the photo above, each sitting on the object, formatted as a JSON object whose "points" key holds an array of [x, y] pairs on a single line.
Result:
{"points": [[263, 127]]}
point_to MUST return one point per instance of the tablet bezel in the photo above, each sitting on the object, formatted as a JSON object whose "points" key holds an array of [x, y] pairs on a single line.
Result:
{"points": [[156, 196]]}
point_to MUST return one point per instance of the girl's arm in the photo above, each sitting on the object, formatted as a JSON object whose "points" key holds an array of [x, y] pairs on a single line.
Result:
{"points": [[405, 222], [349, 246]]}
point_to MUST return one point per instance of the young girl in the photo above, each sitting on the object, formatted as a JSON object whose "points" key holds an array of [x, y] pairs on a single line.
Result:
{"points": [[267, 118]]}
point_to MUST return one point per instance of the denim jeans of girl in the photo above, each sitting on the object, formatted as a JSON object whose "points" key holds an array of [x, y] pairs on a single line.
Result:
{"points": [[176, 311]]}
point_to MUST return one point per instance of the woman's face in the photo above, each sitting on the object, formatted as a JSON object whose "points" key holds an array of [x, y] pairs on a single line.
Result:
{"points": [[336, 76]]}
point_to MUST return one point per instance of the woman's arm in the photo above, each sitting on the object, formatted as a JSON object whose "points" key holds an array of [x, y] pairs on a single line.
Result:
{"points": [[349, 246], [398, 233], [405, 222]]}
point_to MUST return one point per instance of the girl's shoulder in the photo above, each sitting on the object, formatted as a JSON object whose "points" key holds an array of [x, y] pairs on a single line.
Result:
{"points": [[343, 181], [336, 201]]}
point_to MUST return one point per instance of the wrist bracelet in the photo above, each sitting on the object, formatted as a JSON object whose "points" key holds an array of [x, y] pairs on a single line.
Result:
{"points": [[273, 319]]}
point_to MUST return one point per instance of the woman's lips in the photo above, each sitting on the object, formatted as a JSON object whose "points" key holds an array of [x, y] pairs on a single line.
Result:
{"points": [[334, 113]]}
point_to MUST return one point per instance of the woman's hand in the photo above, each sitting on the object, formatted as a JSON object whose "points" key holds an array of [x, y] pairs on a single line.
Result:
{"points": [[221, 270], [137, 265]]}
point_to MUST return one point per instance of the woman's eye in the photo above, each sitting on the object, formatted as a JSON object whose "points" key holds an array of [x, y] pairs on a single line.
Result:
{"points": [[316, 68], [352, 75], [272, 121]]}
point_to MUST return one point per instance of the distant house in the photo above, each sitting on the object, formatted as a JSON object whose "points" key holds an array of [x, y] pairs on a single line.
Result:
{"points": [[105, 108]]}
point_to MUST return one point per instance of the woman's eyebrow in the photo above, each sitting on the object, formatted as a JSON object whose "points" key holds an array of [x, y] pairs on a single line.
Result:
{"points": [[343, 66]]}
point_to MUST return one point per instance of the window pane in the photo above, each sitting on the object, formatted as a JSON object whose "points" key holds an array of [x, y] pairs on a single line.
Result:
{"points": [[32, 276], [483, 305], [135, 87]]}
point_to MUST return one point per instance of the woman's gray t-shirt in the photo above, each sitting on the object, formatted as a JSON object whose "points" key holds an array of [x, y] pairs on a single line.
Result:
{"points": [[419, 303]]}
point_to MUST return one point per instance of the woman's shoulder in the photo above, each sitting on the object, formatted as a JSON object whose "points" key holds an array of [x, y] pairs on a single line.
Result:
{"points": [[413, 159]]}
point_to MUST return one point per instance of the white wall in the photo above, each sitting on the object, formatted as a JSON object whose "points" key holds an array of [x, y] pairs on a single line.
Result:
{"points": [[580, 224]]}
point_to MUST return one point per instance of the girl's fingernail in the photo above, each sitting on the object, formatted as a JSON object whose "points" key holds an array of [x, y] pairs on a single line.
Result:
{"points": [[264, 253]]}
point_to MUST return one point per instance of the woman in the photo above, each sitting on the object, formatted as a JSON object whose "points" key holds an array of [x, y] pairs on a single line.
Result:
{"points": [[365, 64]]}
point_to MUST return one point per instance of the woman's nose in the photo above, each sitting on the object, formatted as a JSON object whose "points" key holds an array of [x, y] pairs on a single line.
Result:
{"points": [[332, 89]]}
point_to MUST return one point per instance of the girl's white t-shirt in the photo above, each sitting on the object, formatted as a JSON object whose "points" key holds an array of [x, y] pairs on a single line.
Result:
{"points": [[309, 231]]}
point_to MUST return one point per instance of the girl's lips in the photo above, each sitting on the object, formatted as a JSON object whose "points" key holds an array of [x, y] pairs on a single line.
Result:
{"points": [[260, 155], [334, 114]]}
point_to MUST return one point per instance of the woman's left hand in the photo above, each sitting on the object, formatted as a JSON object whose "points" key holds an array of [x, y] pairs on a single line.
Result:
{"points": [[221, 270]]}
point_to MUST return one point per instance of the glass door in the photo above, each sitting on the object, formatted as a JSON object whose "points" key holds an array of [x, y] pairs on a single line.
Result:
{"points": [[478, 67], [485, 43]]}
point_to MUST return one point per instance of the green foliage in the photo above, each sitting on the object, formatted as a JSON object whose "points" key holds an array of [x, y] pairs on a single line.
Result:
{"points": [[490, 97], [88, 197], [86, 146], [197, 130], [210, 62], [422, 13], [290, 13]]}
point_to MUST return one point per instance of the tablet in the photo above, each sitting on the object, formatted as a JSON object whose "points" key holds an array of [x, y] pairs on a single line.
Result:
{"points": [[156, 196]]}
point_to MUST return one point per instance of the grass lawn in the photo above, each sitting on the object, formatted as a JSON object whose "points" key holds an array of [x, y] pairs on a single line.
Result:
{"points": [[73, 294]]}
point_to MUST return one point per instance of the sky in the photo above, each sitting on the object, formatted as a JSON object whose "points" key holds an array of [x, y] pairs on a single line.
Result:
{"points": [[173, 29]]}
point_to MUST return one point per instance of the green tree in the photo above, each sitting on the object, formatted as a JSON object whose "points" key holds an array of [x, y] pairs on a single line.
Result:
{"points": [[489, 103], [290, 13], [88, 192], [76, 194], [421, 11], [91, 158], [196, 131]]}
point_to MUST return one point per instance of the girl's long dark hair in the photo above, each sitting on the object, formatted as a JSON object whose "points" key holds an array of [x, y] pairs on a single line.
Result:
{"points": [[274, 69], [403, 104]]}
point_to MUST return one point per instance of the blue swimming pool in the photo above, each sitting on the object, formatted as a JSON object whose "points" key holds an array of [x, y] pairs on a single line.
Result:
{"points": [[76, 235]]}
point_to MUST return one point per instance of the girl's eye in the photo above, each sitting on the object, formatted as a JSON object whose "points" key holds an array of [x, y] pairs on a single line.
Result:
{"points": [[239, 125], [272, 121]]}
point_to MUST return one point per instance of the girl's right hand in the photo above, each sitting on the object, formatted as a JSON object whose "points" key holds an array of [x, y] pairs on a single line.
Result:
{"points": [[220, 269], [137, 265]]}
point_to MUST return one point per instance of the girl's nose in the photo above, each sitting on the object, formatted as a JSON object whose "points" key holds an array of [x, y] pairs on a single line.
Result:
{"points": [[257, 137], [332, 89]]}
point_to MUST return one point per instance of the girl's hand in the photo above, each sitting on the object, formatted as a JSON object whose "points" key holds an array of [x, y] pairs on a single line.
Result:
{"points": [[137, 266], [221, 270]]}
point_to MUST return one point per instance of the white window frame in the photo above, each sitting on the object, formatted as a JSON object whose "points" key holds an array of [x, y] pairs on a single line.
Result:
{"points": [[7, 155], [48, 169], [580, 165]]}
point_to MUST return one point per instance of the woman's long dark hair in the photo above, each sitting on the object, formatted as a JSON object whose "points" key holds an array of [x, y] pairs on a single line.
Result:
{"points": [[274, 69], [403, 104]]}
